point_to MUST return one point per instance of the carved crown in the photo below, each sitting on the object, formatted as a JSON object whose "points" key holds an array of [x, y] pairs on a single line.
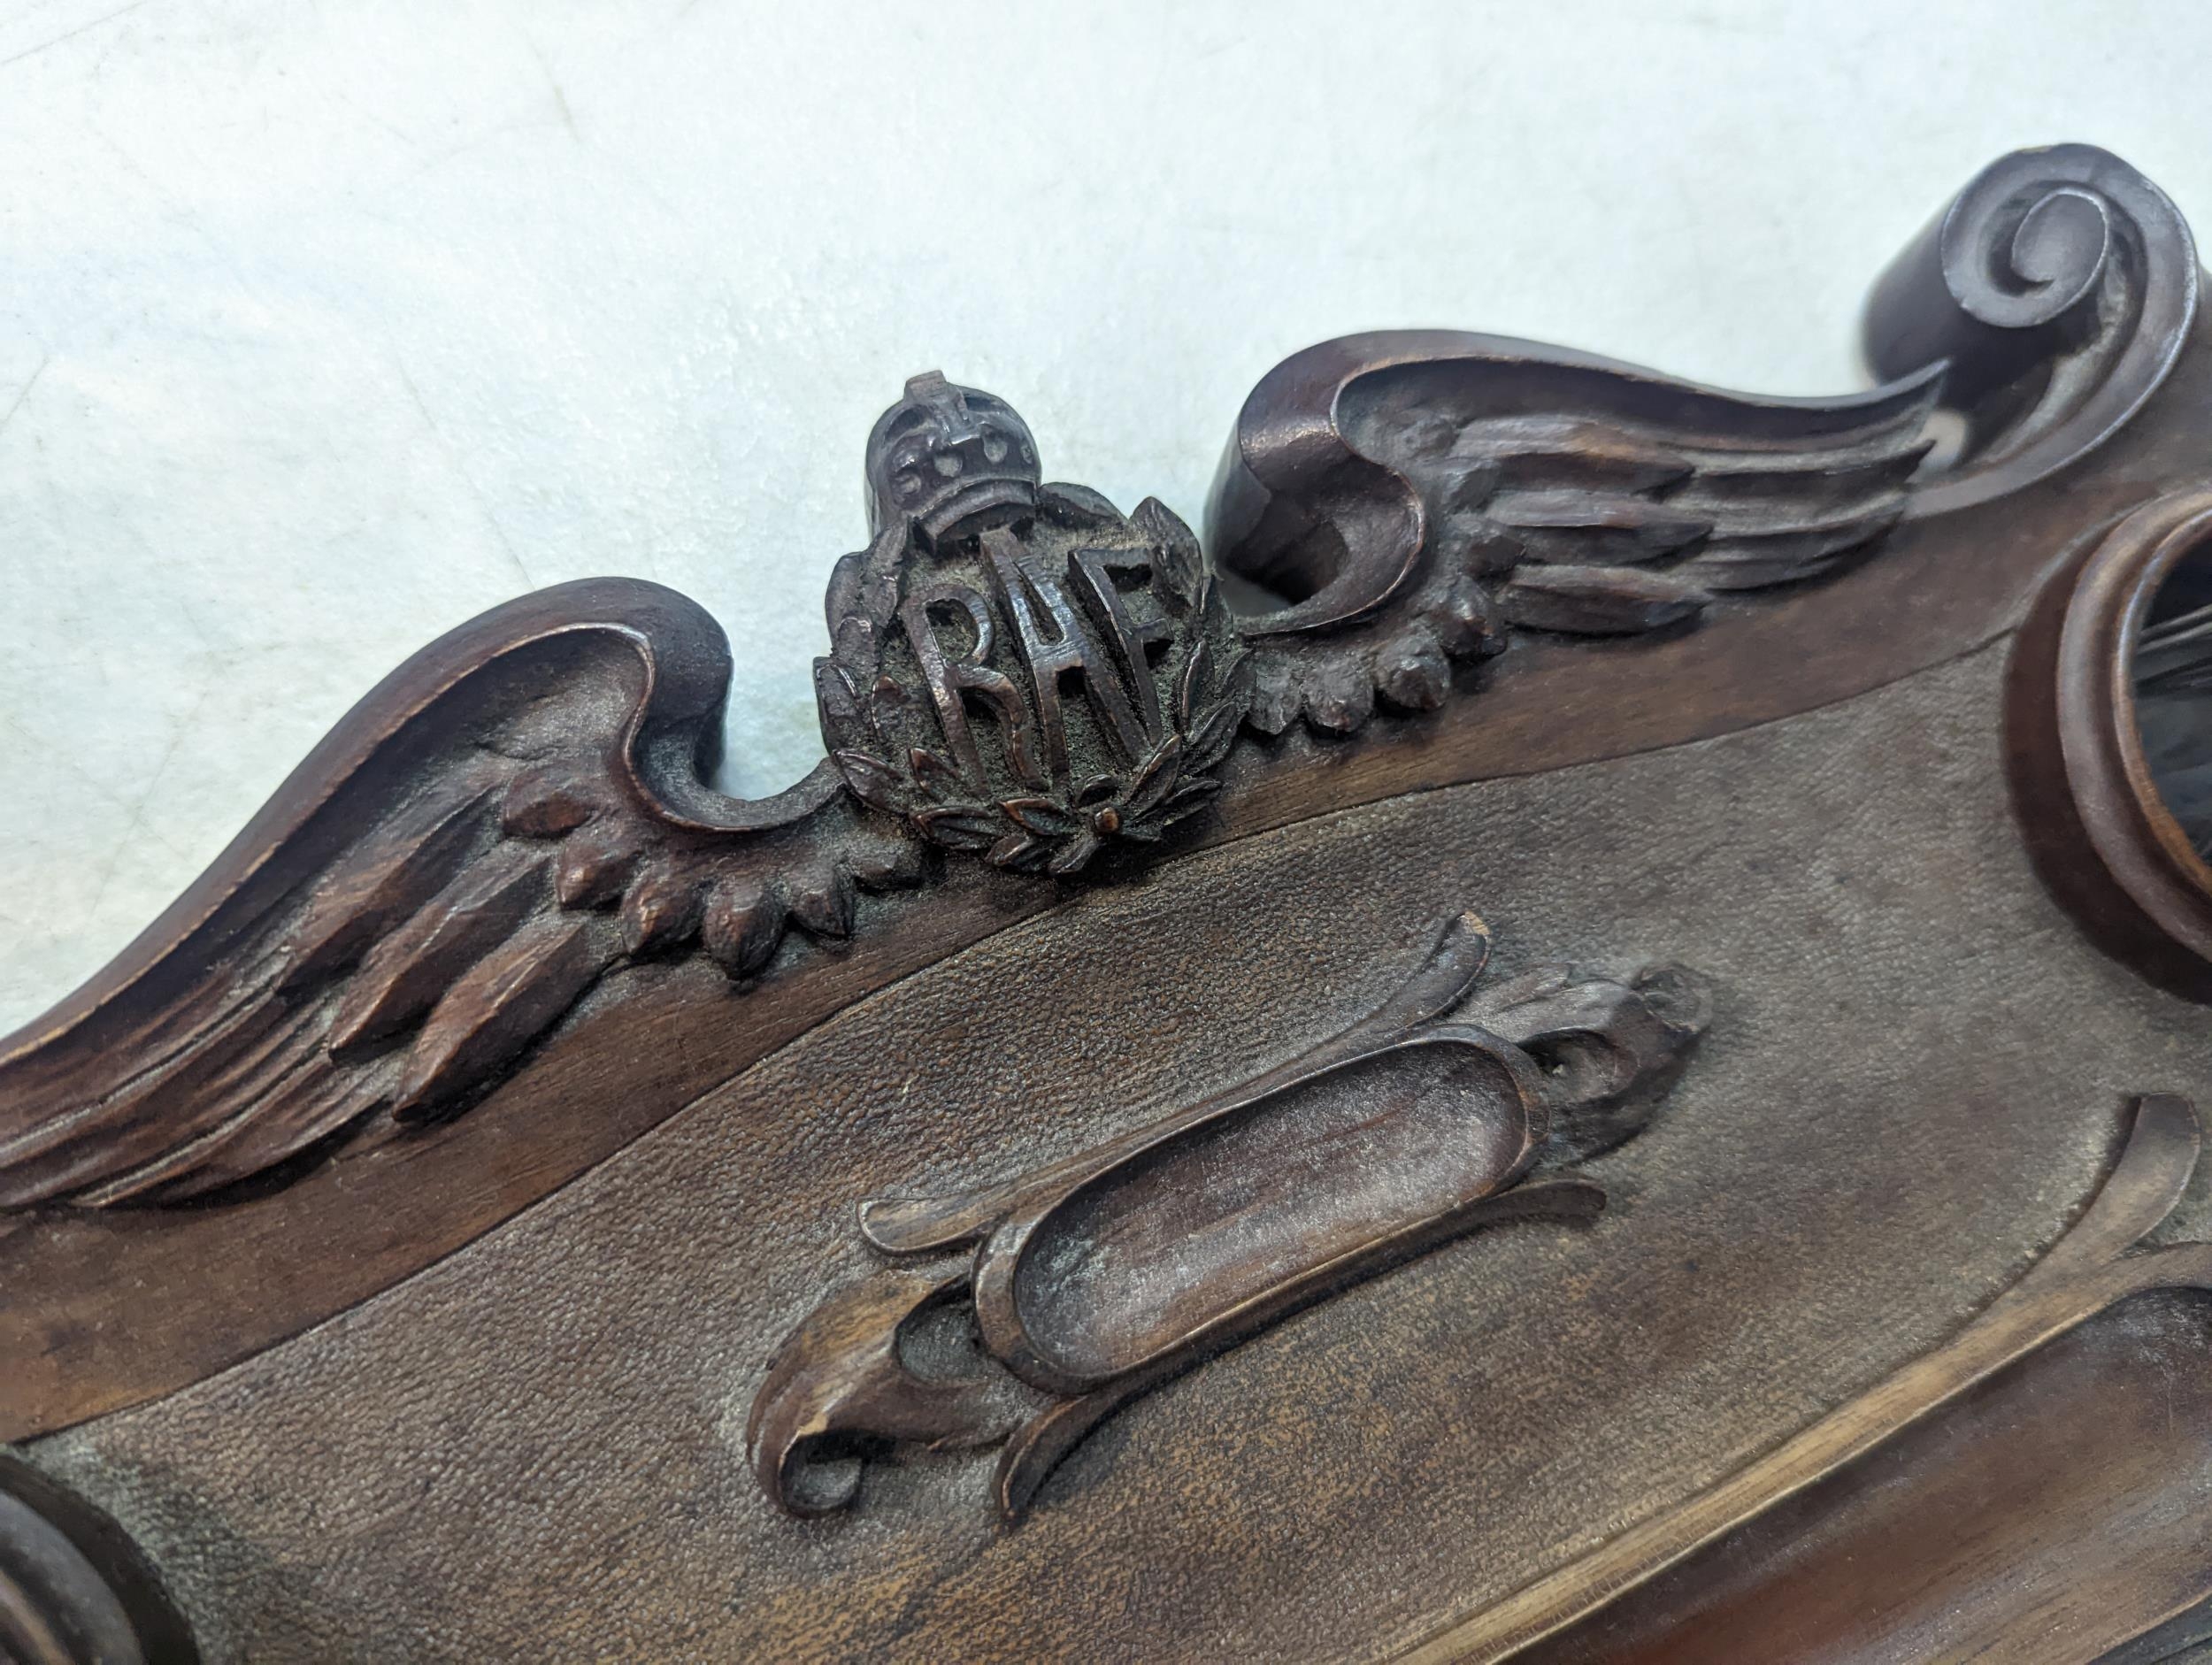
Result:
{"points": [[954, 460]]}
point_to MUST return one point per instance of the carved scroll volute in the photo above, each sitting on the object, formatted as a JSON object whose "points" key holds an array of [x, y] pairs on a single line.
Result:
{"points": [[1095, 1278], [1415, 496], [2057, 289]]}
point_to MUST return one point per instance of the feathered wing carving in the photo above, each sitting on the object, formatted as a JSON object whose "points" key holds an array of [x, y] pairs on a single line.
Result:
{"points": [[1417, 494], [520, 811], [435, 889], [1421, 494]]}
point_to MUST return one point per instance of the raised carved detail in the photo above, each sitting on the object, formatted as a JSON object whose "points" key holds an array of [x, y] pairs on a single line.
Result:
{"points": [[2123, 1246], [1020, 670], [492, 853], [1472, 486], [1455, 1104], [1415, 494]]}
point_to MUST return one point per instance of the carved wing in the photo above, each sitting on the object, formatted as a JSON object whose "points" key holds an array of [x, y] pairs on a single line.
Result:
{"points": [[436, 887], [1416, 494]]}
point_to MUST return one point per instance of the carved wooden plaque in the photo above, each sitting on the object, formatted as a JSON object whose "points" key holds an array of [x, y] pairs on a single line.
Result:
{"points": [[1573, 1037]]}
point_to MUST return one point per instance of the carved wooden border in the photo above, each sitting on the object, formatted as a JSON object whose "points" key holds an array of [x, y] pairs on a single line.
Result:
{"points": [[386, 1018], [2094, 1266], [2102, 833]]}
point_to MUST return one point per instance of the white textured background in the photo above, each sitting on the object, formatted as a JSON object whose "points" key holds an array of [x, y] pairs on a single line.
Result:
{"points": [[326, 325]]}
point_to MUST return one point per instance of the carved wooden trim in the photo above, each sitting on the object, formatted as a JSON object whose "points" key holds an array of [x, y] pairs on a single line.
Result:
{"points": [[1095, 1278], [1433, 489], [1416, 491], [2097, 1265], [498, 926], [512, 838], [2103, 835]]}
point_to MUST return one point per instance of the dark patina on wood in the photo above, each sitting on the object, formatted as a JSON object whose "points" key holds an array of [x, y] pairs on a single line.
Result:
{"points": [[498, 928], [1453, 1106]]}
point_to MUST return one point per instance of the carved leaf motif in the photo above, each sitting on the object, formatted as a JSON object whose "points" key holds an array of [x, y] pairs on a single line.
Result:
{"points": [[960, 827], [1341, 697], [853, 646], [1155, 778], [873, 780], [1455, 960], [1042, 816], [845, 724], [1211, 736], [1411, 671], [822, 903], [1277, 695], [661, 907], [594, 864], [1467, 622], [1187, 683], [937, 775], [742, 924], [1018, 851], [1074, 856], [1189, 797]]}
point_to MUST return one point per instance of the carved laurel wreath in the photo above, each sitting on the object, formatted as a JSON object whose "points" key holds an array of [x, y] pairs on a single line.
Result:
{"points": [[1062, 829]]}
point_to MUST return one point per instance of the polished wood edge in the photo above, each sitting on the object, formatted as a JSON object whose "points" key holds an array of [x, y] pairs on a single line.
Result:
{"points": [[2101, 832], [74, 1589], [2095, 1265]]}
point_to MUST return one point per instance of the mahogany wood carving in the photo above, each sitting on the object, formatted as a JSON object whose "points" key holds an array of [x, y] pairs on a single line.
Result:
{"points": [[497, 939], [1449, 1108], [2098, 817], [2094, 1268]]}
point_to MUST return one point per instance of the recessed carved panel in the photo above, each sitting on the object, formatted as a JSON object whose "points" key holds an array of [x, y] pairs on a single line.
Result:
{"points": [[1458, 1103]]}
